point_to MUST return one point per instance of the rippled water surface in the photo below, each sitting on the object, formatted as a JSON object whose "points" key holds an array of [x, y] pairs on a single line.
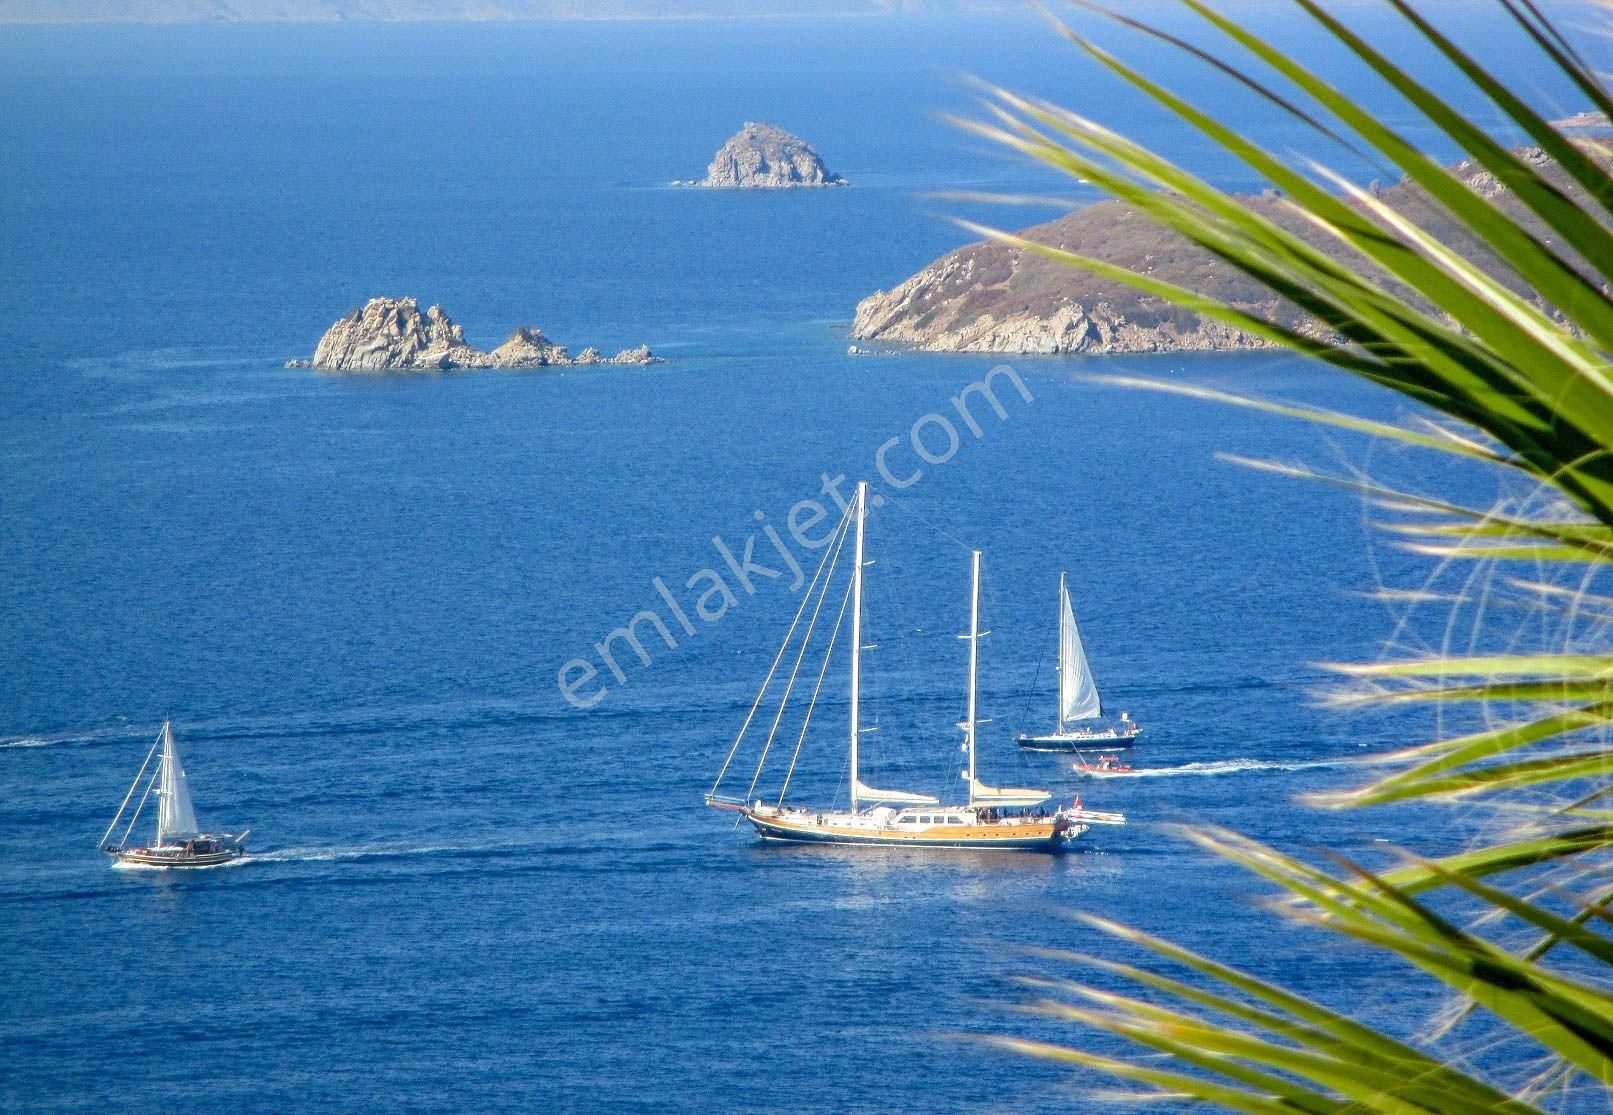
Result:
{"points": [[353, 595]]}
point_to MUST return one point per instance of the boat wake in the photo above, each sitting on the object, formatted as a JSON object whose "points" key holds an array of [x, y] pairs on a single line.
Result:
{"points": [[11, 743], [29, 741], [378, 851], [1219, 766], [337, 854]]}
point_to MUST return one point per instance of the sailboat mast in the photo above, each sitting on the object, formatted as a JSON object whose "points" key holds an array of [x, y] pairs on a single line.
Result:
{"points": [[165, 787], [857, 636], [1064, 595], [974, 658]]}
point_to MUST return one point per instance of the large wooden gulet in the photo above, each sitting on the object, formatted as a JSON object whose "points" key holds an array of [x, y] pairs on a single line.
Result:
{"points": [[1007, 819]]}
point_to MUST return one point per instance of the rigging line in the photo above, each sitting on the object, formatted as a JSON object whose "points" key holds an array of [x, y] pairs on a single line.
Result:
{"points": [[789, 686], [901, 505], [828, 653], [886, 602], [840, 779], [152, 781], [897, 739], [141, 774], [779, 657], [1030, 698], [875, 595]]}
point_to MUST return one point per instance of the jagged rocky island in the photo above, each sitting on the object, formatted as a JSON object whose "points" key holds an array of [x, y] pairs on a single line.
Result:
{"points": [[391, 334], [763, 156], [995, 297]]}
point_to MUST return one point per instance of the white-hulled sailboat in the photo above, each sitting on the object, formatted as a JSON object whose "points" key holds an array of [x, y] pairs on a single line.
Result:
{"points": [[178, 841], [1080, 716], [989, 818]]}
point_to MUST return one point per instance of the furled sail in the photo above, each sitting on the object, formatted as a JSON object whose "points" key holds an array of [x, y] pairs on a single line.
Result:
{"points": [[868, 793], [1078, 696], [981, 794], [175, 816]]}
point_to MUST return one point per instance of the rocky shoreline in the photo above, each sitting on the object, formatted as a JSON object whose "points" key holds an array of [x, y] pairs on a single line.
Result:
{"points": [[897, 318], [392, 334], [999, 298]]}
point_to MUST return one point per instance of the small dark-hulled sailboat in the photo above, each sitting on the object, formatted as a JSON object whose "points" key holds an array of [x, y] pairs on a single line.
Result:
{"points": [[1080, 716], [178, 841], [989, 818]]}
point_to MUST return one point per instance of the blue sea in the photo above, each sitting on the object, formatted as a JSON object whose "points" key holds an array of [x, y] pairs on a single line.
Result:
{"points": [[354, 595]]}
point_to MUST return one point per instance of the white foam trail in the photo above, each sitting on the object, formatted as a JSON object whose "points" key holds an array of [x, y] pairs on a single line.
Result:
{"points": [[372, 851], [1219, 766], [28, 741], [327, 855], [8, 743]]}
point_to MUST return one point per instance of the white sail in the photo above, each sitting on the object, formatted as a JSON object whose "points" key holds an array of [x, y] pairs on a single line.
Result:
{"points": [[981, 794], [1078, 696], [175, 814], [866, 792]]}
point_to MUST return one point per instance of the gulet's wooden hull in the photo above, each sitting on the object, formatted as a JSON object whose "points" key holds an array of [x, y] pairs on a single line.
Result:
{"points": [[1038, 837]]}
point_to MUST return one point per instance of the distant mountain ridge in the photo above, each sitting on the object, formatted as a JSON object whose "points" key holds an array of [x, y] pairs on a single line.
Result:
{"points": [[405, 11]]}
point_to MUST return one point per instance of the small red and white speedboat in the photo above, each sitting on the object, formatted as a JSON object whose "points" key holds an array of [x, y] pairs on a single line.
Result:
{"points": [[1103, 764]]}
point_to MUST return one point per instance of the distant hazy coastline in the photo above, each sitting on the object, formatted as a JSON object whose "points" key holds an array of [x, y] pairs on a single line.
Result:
{"points": [[479, 11]]}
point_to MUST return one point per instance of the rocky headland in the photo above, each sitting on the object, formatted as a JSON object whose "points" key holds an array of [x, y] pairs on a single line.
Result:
{"points": [[994, 297], [392, 334], [762, 156], [1587, 121]]}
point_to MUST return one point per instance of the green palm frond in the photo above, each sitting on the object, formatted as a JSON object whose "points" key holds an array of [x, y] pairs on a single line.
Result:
{"points": [[1263, 1025], [1491, 308]]}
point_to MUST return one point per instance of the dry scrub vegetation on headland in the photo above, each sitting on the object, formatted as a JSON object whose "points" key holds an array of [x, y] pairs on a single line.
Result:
{"points": [[997, 297]]}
